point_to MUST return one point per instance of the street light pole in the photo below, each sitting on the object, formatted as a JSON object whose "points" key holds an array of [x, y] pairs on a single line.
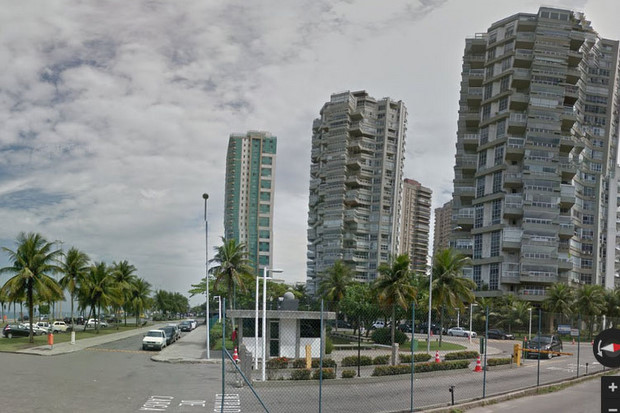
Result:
{"points": [[430, 301], [529, 336], [205, 196], [219, 307], [471, 313]]}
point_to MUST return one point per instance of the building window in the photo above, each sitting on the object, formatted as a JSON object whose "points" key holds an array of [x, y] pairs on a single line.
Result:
{"points": [[484, 135], [486, 112], [478, 216], [482, 159], [489, 72], [501, 128], [477, 246], [494, 277], [497, 182], [499, 155], [495, 244], [496, 213], [477, 275], [488, 91], [480, 187], [503, 104], [504, 83], [506, 64]]}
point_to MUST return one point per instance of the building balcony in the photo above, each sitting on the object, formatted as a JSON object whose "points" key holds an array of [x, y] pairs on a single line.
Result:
{"points": [[569, 117], [519, 101], [535, 277], [465, 192], [471, 118], [467, 162], [488, 293], [532, 295], [573, 74], [568, 170], [517, 123], [567, 195], [524, 40], [361, 128], [515, 148], [510, 277], [470, 141], [523, 58], [474, 96], [521, 78]]}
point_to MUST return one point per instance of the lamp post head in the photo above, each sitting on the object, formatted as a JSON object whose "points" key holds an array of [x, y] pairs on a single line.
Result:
{"points": [[205, 196]]}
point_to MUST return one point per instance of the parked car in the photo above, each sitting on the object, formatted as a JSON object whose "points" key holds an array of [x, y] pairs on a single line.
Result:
{"points": [[405, 327], [91, 323], [170, 336], [185, 325], [154, 339], [500, 334], [59, 327], [193, 324], [38, 331], [15, 330], [378, 324], [42, 324], [435, 328], [547, 343], [340, 323], [461, 332], [177, 331]]}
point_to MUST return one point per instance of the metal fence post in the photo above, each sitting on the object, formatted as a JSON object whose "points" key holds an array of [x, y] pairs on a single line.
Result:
{"points": [[223, 355], [539, 329], [359, 344], [578, 340], [321, 360], [412, 353], [486, 340]]}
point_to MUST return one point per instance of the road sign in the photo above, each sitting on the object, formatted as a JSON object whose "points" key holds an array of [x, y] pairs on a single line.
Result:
{"points": [[574, 332], [606, 348], [564, 329]]}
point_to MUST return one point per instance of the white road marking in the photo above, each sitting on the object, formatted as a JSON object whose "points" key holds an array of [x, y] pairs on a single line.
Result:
{"points": [[230, 403], [157, 403]]}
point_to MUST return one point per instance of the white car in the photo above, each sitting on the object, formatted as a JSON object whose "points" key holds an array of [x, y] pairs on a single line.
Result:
{"points": [[378, 324], [154, 339], [461, 332], [59, 327], [91, 323]]}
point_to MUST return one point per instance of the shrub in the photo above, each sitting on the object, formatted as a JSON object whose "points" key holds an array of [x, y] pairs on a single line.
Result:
{"points": [[301, 363], [327, 374], [302, 374], [348, 374], [385, 359], [383, 336], [419, 368], [417, 357], [329, 345], [462, 355], [277, 363], [352, 361], [498, 361]]}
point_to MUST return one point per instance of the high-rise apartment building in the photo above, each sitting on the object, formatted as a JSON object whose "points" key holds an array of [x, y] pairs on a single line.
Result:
{"points": [[442, 229], [355, 184], [415, 224], [249, 194], [536, 147]]}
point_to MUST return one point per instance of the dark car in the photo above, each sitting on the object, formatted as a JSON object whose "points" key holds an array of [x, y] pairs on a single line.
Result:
{"points": [[500, 334], [185, 325], [170, 334], [435, 328], [405, 327], [15, 330], [339, 323], [547, 343]]}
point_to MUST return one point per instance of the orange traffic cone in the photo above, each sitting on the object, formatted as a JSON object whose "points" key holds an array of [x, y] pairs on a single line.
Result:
{"points": [[236, 356], [573, 340], [437, 359], [478, 368]]}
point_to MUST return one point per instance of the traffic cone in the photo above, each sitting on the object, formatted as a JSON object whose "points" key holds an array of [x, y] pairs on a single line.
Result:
{"points": [[478, 368], [573, 340], [236, 356], [437, 359]]}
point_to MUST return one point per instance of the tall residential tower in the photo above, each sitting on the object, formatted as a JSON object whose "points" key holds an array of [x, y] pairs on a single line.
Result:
{"points": [[415, 224], [250, 179], [355, 184], [536, 147]]}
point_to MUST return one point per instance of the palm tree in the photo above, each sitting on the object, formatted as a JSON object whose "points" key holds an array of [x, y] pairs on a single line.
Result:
{"points": [[612, 303], [450, 288], [560, 300], [590, 302], [333, 283], [32, 263], [75, 267], [139, 296], [123, 275], [394, 288], [232, 266], [96, 290]]}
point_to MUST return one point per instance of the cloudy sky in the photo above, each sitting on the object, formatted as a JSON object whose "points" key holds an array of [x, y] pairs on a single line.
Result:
{"points": [[116, 114]]}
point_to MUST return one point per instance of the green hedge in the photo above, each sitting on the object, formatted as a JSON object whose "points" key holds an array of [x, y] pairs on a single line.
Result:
{"points": [[301, 363], [384, 336], [462, 355], [405, 358], [385, 359], [277, 363], [302, 374], [348, 374], [352, 361], [498, 361], [419, 368], [327, 374]]}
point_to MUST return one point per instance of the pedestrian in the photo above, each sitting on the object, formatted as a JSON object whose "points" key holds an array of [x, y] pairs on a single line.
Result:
{"points": [[234, 337]]}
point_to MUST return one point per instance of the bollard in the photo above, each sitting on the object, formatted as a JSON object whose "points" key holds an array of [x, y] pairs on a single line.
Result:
{"points": [[308, 356], [451, 390], [73, 337], [50, 340], [586, 369]]}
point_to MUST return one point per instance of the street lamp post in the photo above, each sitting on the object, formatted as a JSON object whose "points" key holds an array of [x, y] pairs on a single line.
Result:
{"points": [[219, 307], [205, 196], [471, 313], [264, 329], [529, 335], [458, 317], [430, 301]]}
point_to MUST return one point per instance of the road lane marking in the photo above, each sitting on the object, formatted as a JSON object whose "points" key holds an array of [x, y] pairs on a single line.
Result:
{"points": [[112, 350], [157, 404], [231, 403]]}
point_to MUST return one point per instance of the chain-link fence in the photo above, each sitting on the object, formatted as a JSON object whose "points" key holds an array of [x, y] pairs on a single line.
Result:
{"points": [[322, 360]]}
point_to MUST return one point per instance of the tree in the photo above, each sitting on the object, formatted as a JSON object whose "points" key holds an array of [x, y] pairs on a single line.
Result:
{"points": [[560, 300], [590, 302], [450, 288], [32, 263], [96, 290], [123, 274], [139, 297], [333, 284], [358, 304], [74, 267], [394, 287], [232, 265]]}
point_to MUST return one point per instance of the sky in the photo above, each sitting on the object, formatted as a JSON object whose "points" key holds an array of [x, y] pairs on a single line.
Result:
{"points": [[116, 114]]}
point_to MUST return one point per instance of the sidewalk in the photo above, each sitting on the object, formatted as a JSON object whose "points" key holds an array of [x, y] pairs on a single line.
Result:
{"points": [[191, 348]]}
